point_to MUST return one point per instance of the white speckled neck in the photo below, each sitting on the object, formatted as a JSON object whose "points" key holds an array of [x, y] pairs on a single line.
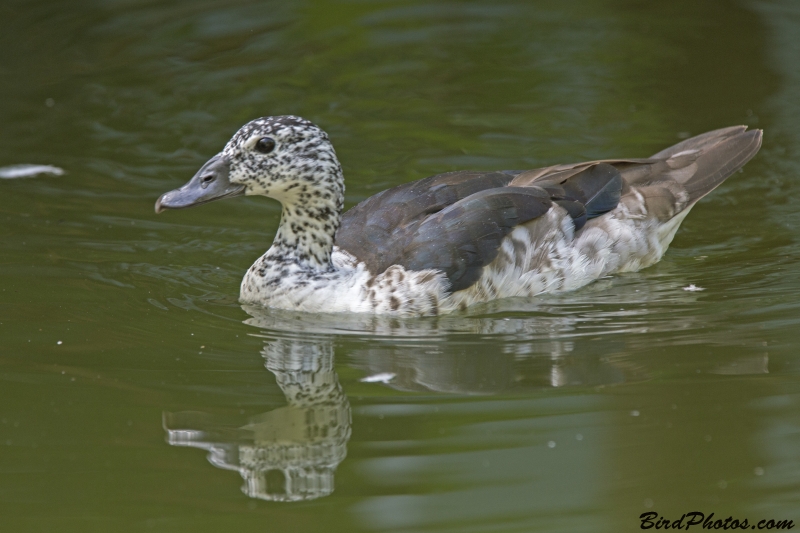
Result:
{"points": [[308, 225]]}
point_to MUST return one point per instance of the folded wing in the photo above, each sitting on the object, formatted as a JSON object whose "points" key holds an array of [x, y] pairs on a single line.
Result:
{"points": [[456, 222]]}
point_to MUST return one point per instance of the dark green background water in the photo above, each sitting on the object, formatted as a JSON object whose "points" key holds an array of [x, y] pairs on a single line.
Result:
{"points": [[122, 343]]}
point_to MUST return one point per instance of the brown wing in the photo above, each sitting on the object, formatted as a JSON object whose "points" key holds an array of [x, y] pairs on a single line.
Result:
{"points": [[377, 229], [455, 222]]}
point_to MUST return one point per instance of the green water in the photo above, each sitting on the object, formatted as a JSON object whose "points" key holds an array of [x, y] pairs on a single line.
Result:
{"points": [[133, 386]]}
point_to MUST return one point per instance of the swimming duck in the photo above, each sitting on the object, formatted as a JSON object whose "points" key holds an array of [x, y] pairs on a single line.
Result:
{"points": [[452, 240]]}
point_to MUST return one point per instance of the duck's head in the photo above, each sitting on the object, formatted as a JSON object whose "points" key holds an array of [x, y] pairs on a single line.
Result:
{"points": [[287, 158]]}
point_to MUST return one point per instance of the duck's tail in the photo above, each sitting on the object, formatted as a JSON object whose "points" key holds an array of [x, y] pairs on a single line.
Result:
{"points": [[702, 163], [668, 184]]}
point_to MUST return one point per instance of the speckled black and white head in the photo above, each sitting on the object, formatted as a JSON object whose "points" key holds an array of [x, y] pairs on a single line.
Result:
{"points": [[287, 158]]}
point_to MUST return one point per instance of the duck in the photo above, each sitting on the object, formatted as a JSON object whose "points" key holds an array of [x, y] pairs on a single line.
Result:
{"points": [[453, 240]]}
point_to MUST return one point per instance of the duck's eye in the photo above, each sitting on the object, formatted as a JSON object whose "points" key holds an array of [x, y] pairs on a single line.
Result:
{"points": [[265, 145]]}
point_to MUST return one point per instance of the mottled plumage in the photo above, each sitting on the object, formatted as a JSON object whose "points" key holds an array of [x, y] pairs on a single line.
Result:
{"points": [[449, 241]]}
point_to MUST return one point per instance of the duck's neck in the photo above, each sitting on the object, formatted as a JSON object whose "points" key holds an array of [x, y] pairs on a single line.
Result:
{"points": [[311, 215]]}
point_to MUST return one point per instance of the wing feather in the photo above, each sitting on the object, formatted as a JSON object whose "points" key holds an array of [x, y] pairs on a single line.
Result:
{"points": [[456, 222]]}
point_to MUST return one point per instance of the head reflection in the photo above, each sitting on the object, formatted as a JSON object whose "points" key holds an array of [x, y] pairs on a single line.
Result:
{"points": [[289, 453]]}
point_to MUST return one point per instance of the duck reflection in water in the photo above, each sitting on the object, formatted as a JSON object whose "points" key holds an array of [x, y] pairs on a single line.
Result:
{"points": [[289, 453]]}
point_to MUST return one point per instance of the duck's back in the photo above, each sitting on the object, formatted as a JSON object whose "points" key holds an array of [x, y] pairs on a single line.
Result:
{"points": [[518, 233]]}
